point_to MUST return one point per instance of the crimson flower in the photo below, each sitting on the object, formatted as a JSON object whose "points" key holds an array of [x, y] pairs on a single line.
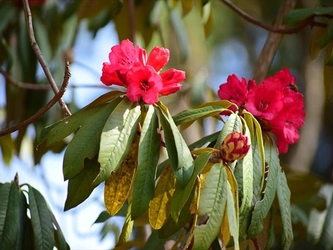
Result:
{"points": [[276, 103], [129, 67]]}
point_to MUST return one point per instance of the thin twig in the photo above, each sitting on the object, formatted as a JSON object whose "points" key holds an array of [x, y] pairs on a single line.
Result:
{"points": [[272, 43], [131, 10], [44, 109], [307, 22], [40, 58], [43, 87]]}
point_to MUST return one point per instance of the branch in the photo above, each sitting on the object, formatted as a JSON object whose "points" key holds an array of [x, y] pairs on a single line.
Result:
{"points": [[43, 110], [308, 21], [40, 58], [44, 87], [272, 43]]}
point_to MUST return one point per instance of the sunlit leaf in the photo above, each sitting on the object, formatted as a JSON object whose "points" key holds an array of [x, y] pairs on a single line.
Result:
{"points": [[86, 141], [41, 220], [149, 147], [283, 195], [233, 123], [117, 186], [212, 203], [159, 206], [263, 206], [117, 136], [81, 185], [7, 148], [181, 195], [178, 152], [127, 228]]}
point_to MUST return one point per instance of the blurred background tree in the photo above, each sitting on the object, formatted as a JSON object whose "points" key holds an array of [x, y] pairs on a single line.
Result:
{"points": [[209, 39]]}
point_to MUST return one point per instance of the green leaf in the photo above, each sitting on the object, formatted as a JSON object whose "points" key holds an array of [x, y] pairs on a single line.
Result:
{"points": [[179, 154], [326, 237], [9, 216], [212, 203], [63, 128], [144, 182], [102, 217], [263, 206], [327, 37], [127, 228], [81, 186], [298, 15], [283, 195], [41, 219], [154, 241], [233, 123], [187, 117], [181, 195], [60, 242], [85, 143], [117, 136], [204, 140], [232, 214]]}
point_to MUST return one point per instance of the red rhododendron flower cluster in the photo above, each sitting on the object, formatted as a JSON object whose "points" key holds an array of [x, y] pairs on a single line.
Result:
{"points": [[130, 67], [275, 102]]}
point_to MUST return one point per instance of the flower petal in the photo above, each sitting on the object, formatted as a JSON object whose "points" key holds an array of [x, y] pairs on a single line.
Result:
{"points": [[158, 58], [171, 81]]}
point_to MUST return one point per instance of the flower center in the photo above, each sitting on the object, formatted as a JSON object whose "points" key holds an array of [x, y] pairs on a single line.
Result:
{"points": [[144, 85], [263, 105]]}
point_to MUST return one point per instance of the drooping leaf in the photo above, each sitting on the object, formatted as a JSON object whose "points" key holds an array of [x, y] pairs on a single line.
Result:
{"points": [[118, 185], [327, 37], [187, 117], [86, 141], [232, 210], [81, 185], [212, 204], [60, 241], [7, 148], [127, 228], [233, 123], [263, 206], [181, 195], [61, 129], [179, 154], [9, 216], [159, 206], [283, 195], [326, 236], [144, 182], [299, 15], [208, 139], [41, 220], [117, 136]]}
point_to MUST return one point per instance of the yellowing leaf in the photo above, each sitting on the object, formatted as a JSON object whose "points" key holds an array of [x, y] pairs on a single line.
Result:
{"points": [[127, 228], [225, 232], [117, 186], [159, 206]]}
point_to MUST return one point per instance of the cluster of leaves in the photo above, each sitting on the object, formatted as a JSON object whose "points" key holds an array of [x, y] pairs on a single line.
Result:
{"points": [[27, 225], [119, 142]]}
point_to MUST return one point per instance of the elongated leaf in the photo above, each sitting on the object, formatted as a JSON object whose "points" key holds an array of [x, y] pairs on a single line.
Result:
{"points": [[181, 195], [118, 185], [81, 185], [283, 194], [326, 237], [327, 37], [212, 203], [262, 207], [232, 213], [127, 228], [178, 152], [85, 143], [117, 136], [68, 125], [41, 220], [233, 123], [149, 146], [60, 242], [299, 15], [159, 206], [9, 216], [187, 117], [204, 140], [154, 242]]}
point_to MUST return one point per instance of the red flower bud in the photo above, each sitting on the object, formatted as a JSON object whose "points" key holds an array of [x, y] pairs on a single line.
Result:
{"points": [[234, 147]]}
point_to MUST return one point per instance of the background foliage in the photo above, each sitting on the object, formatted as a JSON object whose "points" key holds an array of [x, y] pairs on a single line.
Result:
{"points": [[205, 39]]}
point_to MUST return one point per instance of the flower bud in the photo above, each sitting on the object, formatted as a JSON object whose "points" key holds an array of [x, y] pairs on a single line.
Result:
{"points": [[234, 147]]}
